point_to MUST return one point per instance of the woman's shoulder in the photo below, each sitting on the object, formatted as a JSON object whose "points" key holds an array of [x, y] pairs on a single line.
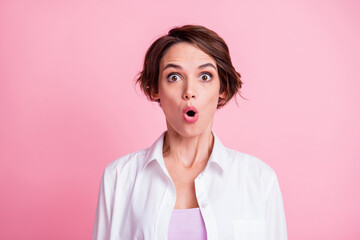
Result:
{"points": [[130, 165], [241, 163], [127, 165], [250, 164]]}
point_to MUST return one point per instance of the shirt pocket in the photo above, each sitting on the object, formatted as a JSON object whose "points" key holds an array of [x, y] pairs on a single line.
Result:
{"points": [[249, 229]]}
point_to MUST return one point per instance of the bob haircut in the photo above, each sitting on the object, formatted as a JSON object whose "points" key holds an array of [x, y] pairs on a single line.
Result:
{"points": [[206, 40]]}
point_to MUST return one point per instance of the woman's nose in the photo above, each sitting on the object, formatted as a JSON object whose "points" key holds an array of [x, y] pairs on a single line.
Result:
{"points": [[189, 96], [189, 91]]}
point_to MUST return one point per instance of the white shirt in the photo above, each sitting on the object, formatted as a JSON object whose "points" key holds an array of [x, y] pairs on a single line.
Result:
{"points": [[238, 195]]}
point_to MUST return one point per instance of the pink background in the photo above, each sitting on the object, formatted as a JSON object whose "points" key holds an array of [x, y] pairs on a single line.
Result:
{"points": [[69, 105]]}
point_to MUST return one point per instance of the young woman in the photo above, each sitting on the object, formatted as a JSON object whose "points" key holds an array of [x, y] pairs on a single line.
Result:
{"points": [[187, 185]]}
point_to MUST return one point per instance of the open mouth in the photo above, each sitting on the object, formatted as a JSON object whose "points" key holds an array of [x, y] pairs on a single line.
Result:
{"points": [[191, 114]]}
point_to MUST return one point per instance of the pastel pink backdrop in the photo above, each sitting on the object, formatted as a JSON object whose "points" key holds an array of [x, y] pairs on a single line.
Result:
{"points": [[69, 105]]}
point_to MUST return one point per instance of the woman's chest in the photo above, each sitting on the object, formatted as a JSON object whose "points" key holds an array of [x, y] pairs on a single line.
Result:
{"points": [[184, 182], [231, 208]]}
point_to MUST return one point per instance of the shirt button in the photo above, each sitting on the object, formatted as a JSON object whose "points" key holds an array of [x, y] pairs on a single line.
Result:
{"points": [[204, 205]]}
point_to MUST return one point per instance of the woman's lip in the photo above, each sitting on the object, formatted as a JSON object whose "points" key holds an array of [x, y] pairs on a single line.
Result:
{"points": [[188, 118], [190, 108]]}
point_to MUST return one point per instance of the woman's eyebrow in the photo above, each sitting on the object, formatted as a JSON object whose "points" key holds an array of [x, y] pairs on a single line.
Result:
{"points": [[207, 65], [179, 67], [172, 65]]}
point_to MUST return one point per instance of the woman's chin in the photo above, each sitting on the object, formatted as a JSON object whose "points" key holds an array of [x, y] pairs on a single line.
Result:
{"points": [[189, 131]]}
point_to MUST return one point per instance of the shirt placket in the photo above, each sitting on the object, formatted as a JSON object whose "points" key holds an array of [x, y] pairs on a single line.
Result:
{"points": [[205, 207], [165, 212]]}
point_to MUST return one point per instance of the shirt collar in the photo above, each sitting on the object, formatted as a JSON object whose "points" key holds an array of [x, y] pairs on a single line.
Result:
{"points": [[218, 154], [155, 152]]}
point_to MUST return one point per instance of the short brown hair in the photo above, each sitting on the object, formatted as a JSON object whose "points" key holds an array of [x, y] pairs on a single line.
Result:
{"points": [[205, 39]]}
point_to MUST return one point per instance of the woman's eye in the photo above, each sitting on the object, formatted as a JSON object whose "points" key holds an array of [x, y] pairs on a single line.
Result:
{"points": [[205, 77], [173, 77]]}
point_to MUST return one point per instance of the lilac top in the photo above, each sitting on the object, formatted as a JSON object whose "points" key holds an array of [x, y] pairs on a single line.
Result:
{"points": [[187, 224]]}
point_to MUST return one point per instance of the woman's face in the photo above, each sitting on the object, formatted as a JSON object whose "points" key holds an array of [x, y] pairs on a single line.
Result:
{"points": [[189, 87]]}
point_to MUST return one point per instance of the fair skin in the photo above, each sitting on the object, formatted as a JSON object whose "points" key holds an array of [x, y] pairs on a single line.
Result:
{"points": [[187, 77]]}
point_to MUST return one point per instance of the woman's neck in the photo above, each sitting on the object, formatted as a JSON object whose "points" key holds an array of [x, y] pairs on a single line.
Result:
{"points": [[187, 152]]}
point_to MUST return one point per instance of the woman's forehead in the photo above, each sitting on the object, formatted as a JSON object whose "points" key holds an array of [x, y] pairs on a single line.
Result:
{"points": [[185, 53]]}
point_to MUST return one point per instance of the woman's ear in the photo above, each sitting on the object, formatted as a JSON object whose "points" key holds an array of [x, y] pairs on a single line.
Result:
{"points": [[222, 95], [155, 96]]}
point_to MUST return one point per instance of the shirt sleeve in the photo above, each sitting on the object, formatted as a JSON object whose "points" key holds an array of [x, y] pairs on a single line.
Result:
{"points": [[101, 229], [275, 214]]}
